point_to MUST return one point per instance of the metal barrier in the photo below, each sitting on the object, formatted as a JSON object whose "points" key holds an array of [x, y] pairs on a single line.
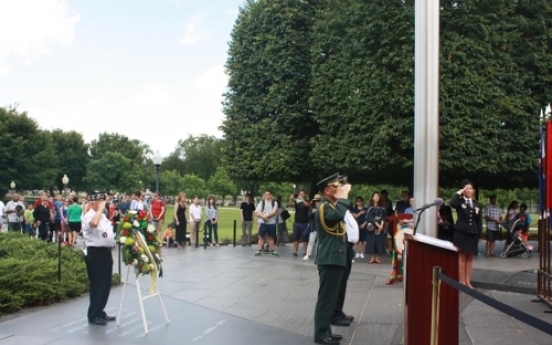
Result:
{"points": [[235, 226], [439, 276], [544, 276]]}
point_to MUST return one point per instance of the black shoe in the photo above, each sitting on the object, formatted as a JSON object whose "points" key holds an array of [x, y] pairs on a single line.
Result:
{"points": [[110, 318], [98, 321], [294, 254], [328, 340], [348, 317], [340, 322], [336, 337]]}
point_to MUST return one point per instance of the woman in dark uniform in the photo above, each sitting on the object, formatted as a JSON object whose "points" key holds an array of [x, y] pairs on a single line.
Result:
{"points": [[467, 229]]}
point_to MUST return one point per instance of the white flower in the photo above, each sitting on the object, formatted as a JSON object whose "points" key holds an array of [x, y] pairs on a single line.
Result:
{"points": [[151, 228], [144, 258], [157, 256], [134, 263], [122, 239], [135, 224]]}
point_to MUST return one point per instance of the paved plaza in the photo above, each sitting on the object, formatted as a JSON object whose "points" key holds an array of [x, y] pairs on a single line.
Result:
{"points": [[227, 296]]}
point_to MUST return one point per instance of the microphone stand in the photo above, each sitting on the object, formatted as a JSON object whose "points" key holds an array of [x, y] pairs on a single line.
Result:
{"points": [[418, 218]]}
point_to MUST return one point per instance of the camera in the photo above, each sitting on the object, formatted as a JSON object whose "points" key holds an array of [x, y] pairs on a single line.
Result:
{"points": [[96, 195]]}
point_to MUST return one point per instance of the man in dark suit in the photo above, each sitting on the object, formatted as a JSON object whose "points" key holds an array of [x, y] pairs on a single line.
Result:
{"points": [[333, 256]]}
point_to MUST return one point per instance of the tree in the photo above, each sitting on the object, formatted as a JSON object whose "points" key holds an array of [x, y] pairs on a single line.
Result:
{"points": [[139, 166], [268, 124], [27, 153], [221, 184], [171, 182], [358, 91], [173, 162], [194, 186], [72, 154], [201, 155], [113, 172]]}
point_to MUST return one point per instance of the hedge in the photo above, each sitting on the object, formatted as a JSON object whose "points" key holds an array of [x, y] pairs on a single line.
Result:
{"points": [[29, 273]]}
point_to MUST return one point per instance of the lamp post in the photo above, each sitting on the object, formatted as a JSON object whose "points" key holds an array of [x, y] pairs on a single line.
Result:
{"points": [[157, 162], [65, 181], [294, 189], [12, 185]]}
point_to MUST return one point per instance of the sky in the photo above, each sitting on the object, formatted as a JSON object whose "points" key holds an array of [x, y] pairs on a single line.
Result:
{"points": [[151, 70]]}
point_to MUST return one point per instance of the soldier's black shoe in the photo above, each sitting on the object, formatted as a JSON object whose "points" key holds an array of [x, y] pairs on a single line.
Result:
{"points": [[110, 318], [340, 322], [336, 337], [328, 340], [98, 321], [348, 317]]}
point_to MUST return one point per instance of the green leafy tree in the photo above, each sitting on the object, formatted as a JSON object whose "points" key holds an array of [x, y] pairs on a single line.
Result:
{"points": [[220, 184], [200, 156], [268, 124], [72, 154], [27, 154], [171, 182], [194, 186], [113, 172], [173, 162], [141, 167], [355, 106]]}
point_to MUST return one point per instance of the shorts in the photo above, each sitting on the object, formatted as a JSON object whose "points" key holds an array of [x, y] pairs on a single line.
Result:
{"points": [[57, 225], [492, 235], [524, 236], [75, 226], [28, 228], [267, 230], [14, 226], [298, 230]]}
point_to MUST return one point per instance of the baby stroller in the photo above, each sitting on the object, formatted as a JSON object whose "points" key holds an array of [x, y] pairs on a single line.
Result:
{"points": [[514, 245]]}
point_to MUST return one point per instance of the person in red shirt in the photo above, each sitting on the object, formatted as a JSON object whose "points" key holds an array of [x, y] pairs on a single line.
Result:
{"points": [[157, 212], [43, 196]]}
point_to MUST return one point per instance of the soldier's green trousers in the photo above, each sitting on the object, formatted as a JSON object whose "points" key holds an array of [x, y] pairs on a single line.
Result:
{"points": [[330, 281]]}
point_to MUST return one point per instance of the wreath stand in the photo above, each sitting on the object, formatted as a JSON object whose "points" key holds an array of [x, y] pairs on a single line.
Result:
{"points": [[141, 300]]}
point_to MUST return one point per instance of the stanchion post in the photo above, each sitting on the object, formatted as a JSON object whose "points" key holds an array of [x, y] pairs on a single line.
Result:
{"points": [[435, 296], [59, 256], [235, 225], [205, 235], [196, 226]]}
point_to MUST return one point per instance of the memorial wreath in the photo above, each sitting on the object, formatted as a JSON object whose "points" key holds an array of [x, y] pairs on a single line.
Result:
{"points": [[140, 244]]}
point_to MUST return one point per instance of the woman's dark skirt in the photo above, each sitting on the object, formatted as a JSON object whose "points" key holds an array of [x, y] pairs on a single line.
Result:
{"points": [[467, 243]]}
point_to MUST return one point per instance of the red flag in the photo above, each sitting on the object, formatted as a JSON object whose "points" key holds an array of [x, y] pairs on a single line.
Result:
{"points": [[547, 169]]}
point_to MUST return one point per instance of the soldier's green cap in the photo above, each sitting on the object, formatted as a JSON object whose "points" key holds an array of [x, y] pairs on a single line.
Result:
{"points": [[328, 180]]}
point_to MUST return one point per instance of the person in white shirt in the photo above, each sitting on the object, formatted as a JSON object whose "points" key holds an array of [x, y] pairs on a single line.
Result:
{"points": [[195, 220], [2, 208], [15, 209], [136, 204], [99, 240]]}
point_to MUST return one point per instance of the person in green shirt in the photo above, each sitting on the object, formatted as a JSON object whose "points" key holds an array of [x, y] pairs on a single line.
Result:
{"points": [[29, 220], [74, 218]]}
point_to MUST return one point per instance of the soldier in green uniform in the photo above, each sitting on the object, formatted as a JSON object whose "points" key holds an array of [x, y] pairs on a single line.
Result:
{"points": [[332, 254]]}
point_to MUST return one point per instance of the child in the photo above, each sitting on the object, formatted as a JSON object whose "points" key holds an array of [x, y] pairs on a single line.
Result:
{"points": [[168, 235], [29, 220], [522, 227]]}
